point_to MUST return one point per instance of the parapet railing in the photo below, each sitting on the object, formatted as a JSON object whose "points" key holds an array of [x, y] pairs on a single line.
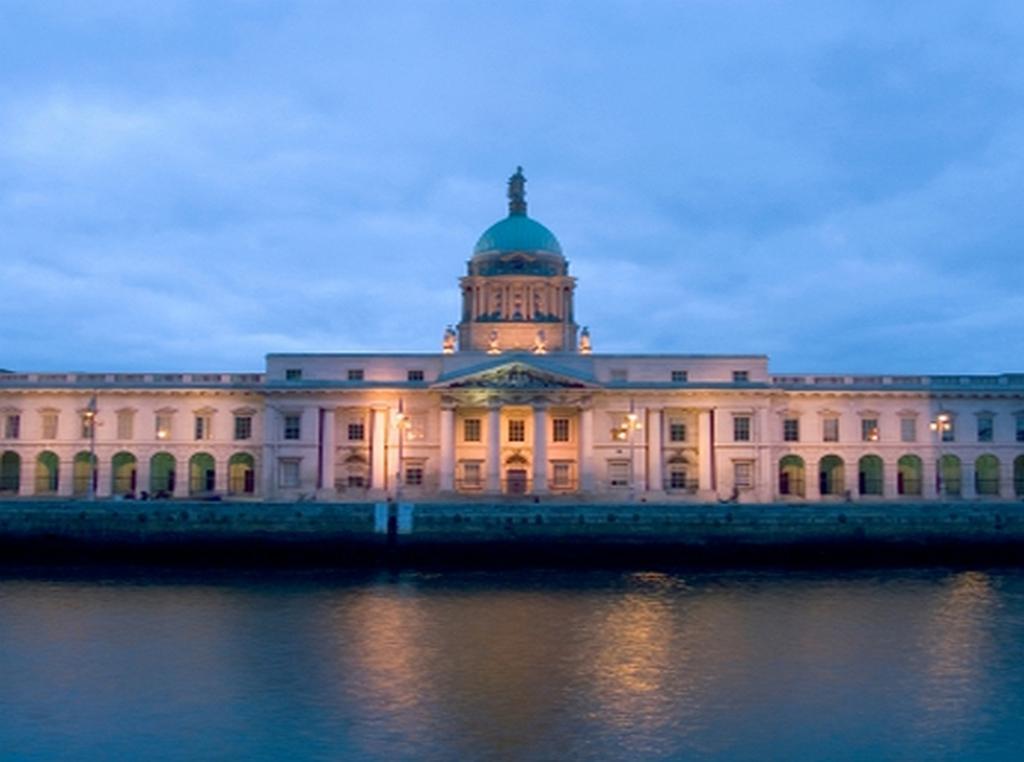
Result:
{"points": [[930, 382], [133, 379]]}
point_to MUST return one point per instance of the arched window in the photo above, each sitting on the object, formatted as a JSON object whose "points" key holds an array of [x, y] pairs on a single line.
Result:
{"points": [[162, 475], [123, 474], [10, 473], [241, 474], [948, 476], [831, 479], [870, 475], [791, 476], [83, 470], [47, 473], [201, 474], [909, 475], [986, 475]]}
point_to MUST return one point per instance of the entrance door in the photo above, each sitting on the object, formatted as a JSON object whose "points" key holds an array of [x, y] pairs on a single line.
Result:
{"points": [[516, 481]]}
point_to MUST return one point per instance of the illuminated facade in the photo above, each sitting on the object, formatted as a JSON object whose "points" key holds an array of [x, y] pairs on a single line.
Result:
{"points": [[516, 405]]}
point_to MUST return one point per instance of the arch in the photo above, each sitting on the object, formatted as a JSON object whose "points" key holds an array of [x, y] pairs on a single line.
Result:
{"points": [[831, 477], [791, 476], [10, 473], [909, 475], [47, 473], [162, 476], [948, 476], [123, 474], [870, 475], [1018, 476], [201, 474], [986, 476], [84, 464], [241, 474]]}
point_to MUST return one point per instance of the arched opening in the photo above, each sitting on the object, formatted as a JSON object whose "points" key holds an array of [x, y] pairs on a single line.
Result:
{"points": [[47, 473], [162, 474], [986, 476], [870, 475], [948, 476], [83, 472], [201, 474], [241, 474], [830, 475], [10, 473], [909, 475], [123, 474], [791, 476], [355, 473], [678, 477], [517, 475], [1018, 476]]}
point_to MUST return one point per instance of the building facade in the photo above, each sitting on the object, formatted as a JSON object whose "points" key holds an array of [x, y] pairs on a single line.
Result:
{"points": [[516, 405]]}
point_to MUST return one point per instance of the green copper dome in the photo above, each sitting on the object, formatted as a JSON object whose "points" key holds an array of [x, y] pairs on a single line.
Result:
{"points": [[517, 232]]}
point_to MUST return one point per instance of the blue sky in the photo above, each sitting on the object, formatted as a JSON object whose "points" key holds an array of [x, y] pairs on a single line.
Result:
{"points": [[188, 186]]}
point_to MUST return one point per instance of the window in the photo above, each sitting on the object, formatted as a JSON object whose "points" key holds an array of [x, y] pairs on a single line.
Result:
{"points": [[676, 431], [415, 375], [355, 374], [243, 427], [741, 428], [743, 474], [561, 475], [948, 429], [12, 426], [560, 429], [356, 431], [471, 429], [163, 426], [517, 431], [677, 477], [203, 426], [618, 473], [830, 430], [869, 429], [293, 427], [1020, 427], [986, 428], [619, 374], [125, 424], [791, 430], [49, 425], [293, 374], [471, 474], [289, 472], [414, 475], [908, 429], [679, 376], [740, 376]]}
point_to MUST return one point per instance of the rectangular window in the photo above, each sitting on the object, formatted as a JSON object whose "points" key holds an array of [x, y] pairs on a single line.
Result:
{"points": [[125, 424], [740, 376], [203, 427], [293, 374], [471, 474], [908, 429], [869, 429], [49, 425], [676, 431], [741, 428], [415, 375], [414, 476], [163, 426], [355, 374], [471, 430], [618, 473], [12, 426], [289, 472], [743, 474], [1020, 428], [560, 429], [830, 430], [356, 432], [948, 430], [561, 475], [791, 430], [677, 477], [88, 426], [679, 376], [986, 428], [517, 431], [293, 427], [243, 427]]}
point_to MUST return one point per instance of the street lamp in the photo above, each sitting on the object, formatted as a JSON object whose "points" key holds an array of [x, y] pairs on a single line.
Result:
{"points": [[629, 426], [402, 423], [941, 425], [90, 418]]}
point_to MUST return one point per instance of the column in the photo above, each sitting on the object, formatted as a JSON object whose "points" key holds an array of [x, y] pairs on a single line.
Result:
{"points": [[447, 475], [766, 468], [271, 433], [27, 476], [66, 475], [328, 447], [540, 448], [655, 479], [494, 449], [104, 476], [142, 474], [182, 474], [378, 446], [704, 447], [967, 478], [929, 476], [890, 479], [851, 476], [587, 449]]}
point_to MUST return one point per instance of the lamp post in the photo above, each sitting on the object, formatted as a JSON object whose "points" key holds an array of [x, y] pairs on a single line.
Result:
{"points": [[629, 426], [90, 417], [942, 424], [402, 424]]}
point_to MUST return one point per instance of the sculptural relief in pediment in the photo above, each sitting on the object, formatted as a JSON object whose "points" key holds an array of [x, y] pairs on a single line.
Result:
{"points": [[516, 377]]}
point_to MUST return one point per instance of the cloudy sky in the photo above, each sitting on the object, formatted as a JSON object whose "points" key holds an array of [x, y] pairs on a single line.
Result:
{"points": [[190, 185]]}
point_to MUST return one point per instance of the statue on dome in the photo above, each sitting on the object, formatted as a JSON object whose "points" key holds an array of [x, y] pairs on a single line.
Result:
{"points": [[492, 344], [540, 344], [517, 193], [585, 348], [448, 342]]}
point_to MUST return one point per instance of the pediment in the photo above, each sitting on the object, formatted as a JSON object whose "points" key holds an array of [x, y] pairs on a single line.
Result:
{"points": [[514, 375]]}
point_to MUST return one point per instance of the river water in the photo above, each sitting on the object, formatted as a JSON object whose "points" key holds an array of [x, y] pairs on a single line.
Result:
{"points": [[493, 665]]}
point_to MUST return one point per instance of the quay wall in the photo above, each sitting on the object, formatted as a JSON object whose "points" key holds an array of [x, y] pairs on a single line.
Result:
{"points": [[341, 531]]}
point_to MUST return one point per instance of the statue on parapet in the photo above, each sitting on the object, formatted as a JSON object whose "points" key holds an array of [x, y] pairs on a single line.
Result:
{"points": [[540, 343], [448, 342], [585, 348], [492, 344]]}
